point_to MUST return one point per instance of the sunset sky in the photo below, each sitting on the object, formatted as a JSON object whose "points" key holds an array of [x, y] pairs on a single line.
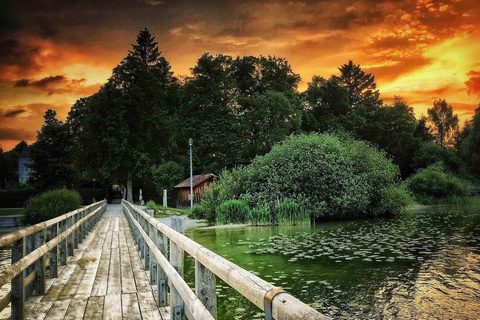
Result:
{"points": [[54, 52]]}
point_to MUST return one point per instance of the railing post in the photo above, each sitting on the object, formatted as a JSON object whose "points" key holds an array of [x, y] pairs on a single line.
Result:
{"points": [[153, 262], [75, 232], [53, 252], [63, 244], [28, 248], [205, 286], [176, 260], [69, 237], [147, 248], [18, 293], [39, 284], [161, 242]]}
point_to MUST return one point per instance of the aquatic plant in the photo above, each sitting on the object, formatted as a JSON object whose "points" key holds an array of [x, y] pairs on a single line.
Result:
{"points": [[288, 212], [232, 211], [260, 216]]}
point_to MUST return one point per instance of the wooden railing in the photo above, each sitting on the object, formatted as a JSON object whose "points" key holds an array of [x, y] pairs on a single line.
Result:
{"points": [[57, 238], [153, 238]]}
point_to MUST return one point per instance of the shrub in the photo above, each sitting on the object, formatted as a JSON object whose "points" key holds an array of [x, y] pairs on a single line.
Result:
{"points": [[260, 216], [434, 183], [16, 198], [51, 204], [290, 213], [329, 175], [232, 211], [431, 153], [197, 212], [229, 187]]}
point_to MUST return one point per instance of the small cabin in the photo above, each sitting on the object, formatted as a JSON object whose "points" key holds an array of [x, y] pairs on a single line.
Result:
{"points": [[200, 183]]}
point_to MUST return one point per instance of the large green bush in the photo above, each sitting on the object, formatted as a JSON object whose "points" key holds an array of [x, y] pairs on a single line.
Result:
{"points": [[329, 176], [435, 182], [51, 204]]}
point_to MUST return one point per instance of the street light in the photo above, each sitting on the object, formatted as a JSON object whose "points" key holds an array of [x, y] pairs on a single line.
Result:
{"points": [[190, 142]]}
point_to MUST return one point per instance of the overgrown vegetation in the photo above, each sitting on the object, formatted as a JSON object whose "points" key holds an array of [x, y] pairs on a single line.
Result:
{"points": [[319, 176], [436, 184], [51, 204]]}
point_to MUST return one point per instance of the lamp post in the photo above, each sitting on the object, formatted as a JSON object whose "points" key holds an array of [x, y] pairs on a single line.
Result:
{"points": [[190, 142]]}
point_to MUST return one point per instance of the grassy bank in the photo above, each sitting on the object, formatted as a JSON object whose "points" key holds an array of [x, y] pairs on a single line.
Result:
{"points": [[162, 212], [473, 201]]}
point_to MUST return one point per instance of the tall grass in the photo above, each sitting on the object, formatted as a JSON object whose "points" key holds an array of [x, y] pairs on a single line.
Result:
{"points": [[473, 201], [232, 211], [288, 212], [260, 216]]}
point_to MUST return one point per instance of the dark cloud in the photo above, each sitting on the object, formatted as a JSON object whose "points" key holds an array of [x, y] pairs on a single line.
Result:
{"points": [[42, 83], [58, 85], [14, 113], [16, 54]]}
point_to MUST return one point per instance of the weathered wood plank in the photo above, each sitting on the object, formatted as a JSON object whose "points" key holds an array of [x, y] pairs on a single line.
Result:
{"points": [[148, 306], [141, 280], [130, 308], [128, 281], [112, 309], [39, 312], [114, 279], [58, 310], [94, 309], [100, 283], [76, 309]]}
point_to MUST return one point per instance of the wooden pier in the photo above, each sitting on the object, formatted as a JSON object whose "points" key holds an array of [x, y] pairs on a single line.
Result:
{"points": [[95, 263]]}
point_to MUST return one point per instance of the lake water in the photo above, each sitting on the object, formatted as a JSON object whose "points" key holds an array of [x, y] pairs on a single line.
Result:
{"points": [[425, 264]]}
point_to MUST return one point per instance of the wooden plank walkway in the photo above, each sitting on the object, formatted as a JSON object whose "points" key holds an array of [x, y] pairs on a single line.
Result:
{"points": [[105, 279]]}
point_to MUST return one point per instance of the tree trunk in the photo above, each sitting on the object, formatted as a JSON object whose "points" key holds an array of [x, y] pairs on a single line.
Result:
{"points": [[129, 187]]}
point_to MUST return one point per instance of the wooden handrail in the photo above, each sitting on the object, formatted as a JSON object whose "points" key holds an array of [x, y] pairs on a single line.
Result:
{"points": [[28, 267], [194, 305], [15, 269], [258, 291], [9, 238]]}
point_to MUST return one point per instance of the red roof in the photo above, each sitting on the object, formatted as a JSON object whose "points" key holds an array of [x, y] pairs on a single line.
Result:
{"points": [[197, 179]]}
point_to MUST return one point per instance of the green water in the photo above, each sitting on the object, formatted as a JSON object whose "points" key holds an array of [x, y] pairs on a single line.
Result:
{"points": [[425, 264]]}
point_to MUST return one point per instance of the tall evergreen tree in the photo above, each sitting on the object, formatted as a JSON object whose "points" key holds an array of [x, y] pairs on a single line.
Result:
{"points": [[126, 125], [361, 86], [51, 154]]}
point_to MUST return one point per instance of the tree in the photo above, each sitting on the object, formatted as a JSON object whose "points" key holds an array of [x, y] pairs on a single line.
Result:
{"points": [[423, 131], [124, 128], [393, 130], [51, 154], [469, 146], [443, 121], [206, 114], [327, 107], [361, 86]]}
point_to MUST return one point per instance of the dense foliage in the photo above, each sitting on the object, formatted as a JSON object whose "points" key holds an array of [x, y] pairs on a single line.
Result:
{"points": [[325, 175], [435, 182], [51, 204]]}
